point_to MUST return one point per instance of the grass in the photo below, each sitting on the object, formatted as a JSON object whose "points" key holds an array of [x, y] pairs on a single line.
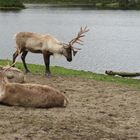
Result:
{"points": [[11, 5], [113, 5], [39, 69], [95, 4], [59, 1]]}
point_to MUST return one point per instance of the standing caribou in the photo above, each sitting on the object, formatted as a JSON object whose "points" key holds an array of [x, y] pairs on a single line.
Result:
{"points": [[47, 45]]}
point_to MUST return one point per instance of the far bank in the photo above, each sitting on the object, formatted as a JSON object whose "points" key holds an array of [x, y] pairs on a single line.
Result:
{"points": [[11, 5], [94, 4]]}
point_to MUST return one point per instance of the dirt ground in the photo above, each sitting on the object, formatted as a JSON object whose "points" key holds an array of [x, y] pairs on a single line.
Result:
{"points": [[96, 111]]}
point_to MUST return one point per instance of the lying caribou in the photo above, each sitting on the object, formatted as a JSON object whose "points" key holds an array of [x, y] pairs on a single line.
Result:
{"points": [[30, 95], [13, 74], [47, 45]]}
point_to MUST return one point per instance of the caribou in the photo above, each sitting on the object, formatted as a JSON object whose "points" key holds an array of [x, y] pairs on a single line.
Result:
{"points": [[46, 45], [30, 95], [13, 74]]}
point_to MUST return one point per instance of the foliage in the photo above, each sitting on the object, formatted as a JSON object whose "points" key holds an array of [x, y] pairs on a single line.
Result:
{"points": [[99, 4], [11, 3], [60, 71], [59, 1]]}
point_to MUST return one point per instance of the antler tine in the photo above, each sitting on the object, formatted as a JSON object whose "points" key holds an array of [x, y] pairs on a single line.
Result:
{"points": [[11, 65], [79, 35]]}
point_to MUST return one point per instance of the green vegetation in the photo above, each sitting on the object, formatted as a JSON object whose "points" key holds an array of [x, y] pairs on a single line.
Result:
{"points": [[11, 5], [98, 4], [39, 69], [60, 1]]}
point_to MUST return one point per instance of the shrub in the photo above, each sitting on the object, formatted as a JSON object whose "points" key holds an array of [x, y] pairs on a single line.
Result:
{"points": [[11, 3]]}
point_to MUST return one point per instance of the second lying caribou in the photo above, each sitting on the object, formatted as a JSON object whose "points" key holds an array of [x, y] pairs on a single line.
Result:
{"points": [[30, 95], [13, 75], [47, 45]]}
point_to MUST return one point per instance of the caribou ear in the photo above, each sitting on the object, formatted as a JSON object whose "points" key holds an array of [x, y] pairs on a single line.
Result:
{"points": [[64, 45], [74, 52]]}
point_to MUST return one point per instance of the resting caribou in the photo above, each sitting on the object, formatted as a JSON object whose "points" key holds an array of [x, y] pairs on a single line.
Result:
{"points": [[30, 95], [13, 74], [47, 45]]}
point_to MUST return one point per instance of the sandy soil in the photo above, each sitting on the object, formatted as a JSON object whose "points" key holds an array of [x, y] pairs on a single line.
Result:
{"points": [[97, 111]]}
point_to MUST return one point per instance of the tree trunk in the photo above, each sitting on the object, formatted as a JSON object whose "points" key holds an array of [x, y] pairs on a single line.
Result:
{"points": [[123, 74]]}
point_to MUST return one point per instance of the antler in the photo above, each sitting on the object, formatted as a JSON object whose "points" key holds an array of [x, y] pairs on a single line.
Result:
{"points": [[80, 34], [11, 65]]}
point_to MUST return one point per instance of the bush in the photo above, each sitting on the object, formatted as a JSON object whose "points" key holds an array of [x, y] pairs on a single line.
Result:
{"points": [[11, 3], [113, 5]]}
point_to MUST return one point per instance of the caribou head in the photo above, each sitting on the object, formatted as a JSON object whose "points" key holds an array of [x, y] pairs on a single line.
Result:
{"points": [[69, 48]]}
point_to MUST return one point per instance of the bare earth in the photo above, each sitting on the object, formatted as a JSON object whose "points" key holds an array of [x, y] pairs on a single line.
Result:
{"points": [[97, 111]]}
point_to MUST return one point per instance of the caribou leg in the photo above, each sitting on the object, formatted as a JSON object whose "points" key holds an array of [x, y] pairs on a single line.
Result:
{"points": [[46, 57], [14, 57], [23, 60]]}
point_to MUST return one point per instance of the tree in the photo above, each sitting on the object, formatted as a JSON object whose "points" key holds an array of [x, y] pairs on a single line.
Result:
{"points": [[123, 2]]}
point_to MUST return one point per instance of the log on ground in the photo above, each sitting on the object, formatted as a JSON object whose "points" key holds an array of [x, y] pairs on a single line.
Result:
{"points": [[122, 74]]}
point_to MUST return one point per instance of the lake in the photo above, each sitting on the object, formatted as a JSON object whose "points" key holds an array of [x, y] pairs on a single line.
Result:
{"points": [[113, 42]]}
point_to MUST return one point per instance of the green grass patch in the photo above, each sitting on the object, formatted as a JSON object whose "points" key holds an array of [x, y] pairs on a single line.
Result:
{"points": [[98, 4], [11, 4], [60, 71], [95, 4], [59, 1], [113, 5]]}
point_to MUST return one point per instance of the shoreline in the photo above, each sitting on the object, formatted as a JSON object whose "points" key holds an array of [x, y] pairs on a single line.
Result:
{"points": [[68, 5], [11, 8], [61, 71], [97, 6]]}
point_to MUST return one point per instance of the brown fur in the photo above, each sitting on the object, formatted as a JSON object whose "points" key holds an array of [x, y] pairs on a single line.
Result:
{"points": [[37, 43], [13, 74], [44, 44], [30, 95]]}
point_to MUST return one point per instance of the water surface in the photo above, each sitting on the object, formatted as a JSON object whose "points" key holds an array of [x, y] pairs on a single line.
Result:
{"points": [[112, 43]]}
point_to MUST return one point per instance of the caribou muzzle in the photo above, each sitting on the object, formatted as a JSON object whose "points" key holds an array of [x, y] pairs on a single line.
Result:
{"points": [[69, 59]]}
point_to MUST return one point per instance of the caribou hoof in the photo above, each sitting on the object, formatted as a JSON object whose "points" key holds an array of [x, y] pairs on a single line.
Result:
{"points": [[27, 71], [48, 75]]}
